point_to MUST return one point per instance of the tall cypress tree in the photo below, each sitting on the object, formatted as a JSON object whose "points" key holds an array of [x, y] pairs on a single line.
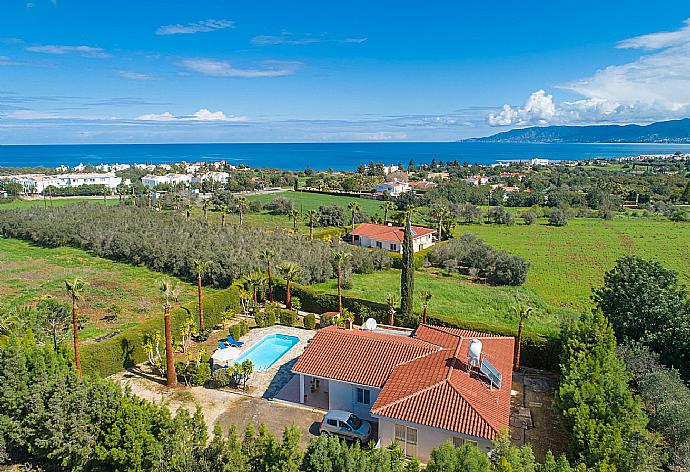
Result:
{"points": [[407, 274]]}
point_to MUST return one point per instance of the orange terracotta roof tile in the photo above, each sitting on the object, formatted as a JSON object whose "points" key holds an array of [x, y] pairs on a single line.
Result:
{"points": [[424, 378], [388, 233]]}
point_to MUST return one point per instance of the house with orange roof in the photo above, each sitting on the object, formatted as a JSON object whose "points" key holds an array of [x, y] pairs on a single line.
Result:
{"points": [[422, 387], [390, 238]]}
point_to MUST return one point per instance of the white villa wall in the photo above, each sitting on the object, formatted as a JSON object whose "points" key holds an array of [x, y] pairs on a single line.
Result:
{"points": [[343, 396], [427, 438], [418, 244]]}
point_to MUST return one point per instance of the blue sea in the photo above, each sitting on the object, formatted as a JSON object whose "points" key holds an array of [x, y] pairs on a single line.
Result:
{"points": [[318, 156]]}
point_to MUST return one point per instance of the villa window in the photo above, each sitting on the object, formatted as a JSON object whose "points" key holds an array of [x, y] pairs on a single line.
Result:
{"points": [[363, 396], [458, 441], [379, 244], [394, 247], [406, 437]]}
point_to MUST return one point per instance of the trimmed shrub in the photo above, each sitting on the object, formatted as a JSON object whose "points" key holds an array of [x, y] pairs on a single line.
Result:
{"points": [[288, 318], [310, 321], [558, 217], [238, 330], [264, 319]]}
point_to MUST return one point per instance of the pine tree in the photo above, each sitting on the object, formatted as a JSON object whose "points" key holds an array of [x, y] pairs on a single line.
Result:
{"points": [[407, 274]]}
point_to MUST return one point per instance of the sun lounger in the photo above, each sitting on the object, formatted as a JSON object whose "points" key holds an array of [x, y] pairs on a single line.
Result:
{"points": [[232, 342]]}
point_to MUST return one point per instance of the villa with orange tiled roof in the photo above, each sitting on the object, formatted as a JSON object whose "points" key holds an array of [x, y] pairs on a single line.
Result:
{"points": [[391, 237], [421, 387]]}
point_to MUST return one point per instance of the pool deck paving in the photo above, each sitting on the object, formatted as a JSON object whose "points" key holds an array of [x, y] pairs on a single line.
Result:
{"points": [[225, 406]]}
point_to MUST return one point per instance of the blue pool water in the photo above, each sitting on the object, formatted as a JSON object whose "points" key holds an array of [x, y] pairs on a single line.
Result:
{"points": [[266, 352]]}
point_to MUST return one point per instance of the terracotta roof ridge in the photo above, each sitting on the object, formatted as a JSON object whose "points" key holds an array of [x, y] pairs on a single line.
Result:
{"points": [[383, 338], [455, 358], [471, 405], [431, 345]]}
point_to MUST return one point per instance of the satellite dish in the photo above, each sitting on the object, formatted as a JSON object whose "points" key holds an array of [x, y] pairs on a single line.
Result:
{"points": [[370, 324]]}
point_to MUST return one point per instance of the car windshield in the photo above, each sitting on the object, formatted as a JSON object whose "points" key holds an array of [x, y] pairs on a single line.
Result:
{"points": [[354, 422]]}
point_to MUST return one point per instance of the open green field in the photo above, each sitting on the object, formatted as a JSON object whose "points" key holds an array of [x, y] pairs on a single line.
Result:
{"points": [[30, 272], [567, 262], [302, 201], [455, 298], [57, 201]]}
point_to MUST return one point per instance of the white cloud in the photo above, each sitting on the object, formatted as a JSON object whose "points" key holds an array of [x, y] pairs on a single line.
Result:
{"points": [[658, 40], [166, 116], [655, 86], [86, 51], [205, 26], [291, 39], [130, 74], [539, 109], [202, 115], [6, 61], [218, 68]]}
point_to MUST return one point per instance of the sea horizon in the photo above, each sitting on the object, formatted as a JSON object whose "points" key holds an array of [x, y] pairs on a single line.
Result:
{"points": [[316, 155]]}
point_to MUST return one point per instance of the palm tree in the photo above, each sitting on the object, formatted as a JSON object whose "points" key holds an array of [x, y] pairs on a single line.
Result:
{"points": [[386, 207], [290, 272], [223, 213], [426, 297], [147, 192], [340, 258], [313, 217], [200, 269], [170, 291], [255, 280], [354, 209], [75, 289], [522, 312], [204, 206], [439, 213], [392, 301], [268, 255], [241, 203], [294, 214]]}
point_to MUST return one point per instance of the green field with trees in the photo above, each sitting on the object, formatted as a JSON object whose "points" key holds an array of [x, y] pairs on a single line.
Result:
{"points": [[567, 262], [117, 295]]}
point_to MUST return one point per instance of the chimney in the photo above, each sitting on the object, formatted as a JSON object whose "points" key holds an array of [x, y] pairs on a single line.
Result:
{"points": [[348, 323]]}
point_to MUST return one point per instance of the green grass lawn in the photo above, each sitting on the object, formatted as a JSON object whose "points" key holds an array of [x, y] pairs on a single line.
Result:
{"points": [[455, 298], [30, 272], [567, 262]]}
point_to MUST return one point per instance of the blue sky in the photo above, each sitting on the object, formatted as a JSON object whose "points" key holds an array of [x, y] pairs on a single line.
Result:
{"points": [[74, 71]]}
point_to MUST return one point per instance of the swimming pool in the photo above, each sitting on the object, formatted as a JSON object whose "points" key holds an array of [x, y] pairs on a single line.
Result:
{"points": [[266, 352]]}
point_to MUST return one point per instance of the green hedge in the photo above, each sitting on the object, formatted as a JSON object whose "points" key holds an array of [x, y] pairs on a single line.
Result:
{"points": [[539, 352], [126, 349]]}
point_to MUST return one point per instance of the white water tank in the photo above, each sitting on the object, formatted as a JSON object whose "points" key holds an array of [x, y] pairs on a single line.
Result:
{"points": [[474, 352], [370, 324]]}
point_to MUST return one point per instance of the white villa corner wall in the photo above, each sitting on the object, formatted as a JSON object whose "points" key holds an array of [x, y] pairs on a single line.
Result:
{"points": [[343, 396], [427, 438]]}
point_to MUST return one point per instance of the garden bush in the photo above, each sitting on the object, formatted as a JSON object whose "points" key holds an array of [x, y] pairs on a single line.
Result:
{"points": [[310, 321], [470, 255], [238, 330], [288, 317]]}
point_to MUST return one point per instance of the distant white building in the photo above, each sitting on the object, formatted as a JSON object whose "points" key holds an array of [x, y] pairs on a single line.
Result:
{"points": [[168, 179], [112, 167], [394, 189], [390, 169], [218, 177], [37, 183], [79, 168], [149, 167], [477, 180]]}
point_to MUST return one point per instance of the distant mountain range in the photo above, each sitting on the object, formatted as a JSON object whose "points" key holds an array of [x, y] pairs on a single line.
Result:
{"points": [[673, 132]]}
